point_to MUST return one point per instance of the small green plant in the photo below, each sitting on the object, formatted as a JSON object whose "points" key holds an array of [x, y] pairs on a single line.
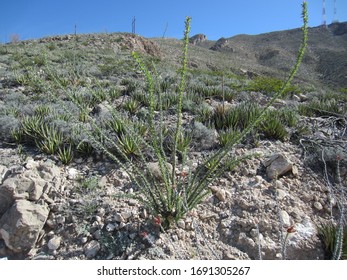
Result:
{"points": [[129, 145], [49, 139], [334, 240], [116, 125], [226, 137], [65, 154], [85, 148], [17, 135], [132, 106], [273, 128], [42, 110], [89, 184]]}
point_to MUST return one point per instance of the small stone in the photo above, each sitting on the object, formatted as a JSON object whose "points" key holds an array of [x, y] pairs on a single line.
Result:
{"points": [[97, 234], [73, 174], [102, 182], [285, 218], [84, 240], [181, 224], [4, 173], [91, 249], [154, 170], [126, 215], [54, 243], [277, 165], [121, 225], [281, 194], [295, 171], [31, 164], [118, 218], [219, 193], [110, 227], [144, 214], [317, 205]]}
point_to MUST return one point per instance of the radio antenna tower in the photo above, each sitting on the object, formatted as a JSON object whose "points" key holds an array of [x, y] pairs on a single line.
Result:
{"points": [[335, 13], [324, 17], [133, 25]]}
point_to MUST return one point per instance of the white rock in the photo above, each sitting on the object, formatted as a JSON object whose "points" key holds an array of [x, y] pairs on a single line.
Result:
{"points": [[285, 218], [277, 165], [154, 170], [118, 218], [317, 205], [281, 194], [31, 164], [110, 227], [181, 224], [54, 243], [73, 174]]}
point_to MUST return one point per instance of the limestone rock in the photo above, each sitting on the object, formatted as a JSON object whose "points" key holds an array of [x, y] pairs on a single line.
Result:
{"points": [[54, 243], [285, 218], [277, 165], [4, 172], [91, 249], [154, 169], [20, 226], [198, 38], [219, 193]]}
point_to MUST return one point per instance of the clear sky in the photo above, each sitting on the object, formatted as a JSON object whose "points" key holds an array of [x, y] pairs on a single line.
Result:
{"points": [[214, 18]]}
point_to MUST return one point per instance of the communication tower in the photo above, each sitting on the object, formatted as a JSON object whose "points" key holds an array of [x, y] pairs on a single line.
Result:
{"points": [[324, 17], [335, 13]]}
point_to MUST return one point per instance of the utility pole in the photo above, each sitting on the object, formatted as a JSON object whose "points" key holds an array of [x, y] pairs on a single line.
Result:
{"points": [[133, 25]]}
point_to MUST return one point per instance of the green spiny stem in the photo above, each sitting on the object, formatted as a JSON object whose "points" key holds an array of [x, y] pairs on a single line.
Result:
{"points": [[180, 94]]}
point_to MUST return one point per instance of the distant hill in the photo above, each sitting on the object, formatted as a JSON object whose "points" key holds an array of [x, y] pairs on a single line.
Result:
{"points": [[274, 53]]}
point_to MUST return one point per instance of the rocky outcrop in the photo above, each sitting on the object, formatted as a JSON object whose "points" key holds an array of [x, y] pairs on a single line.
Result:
{"points": [[24, 203], [198, 38], [21, 225], [220, 45]]}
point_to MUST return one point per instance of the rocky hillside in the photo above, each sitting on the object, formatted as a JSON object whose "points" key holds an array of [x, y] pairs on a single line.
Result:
{"points": [[70, 105], [275, 52]]}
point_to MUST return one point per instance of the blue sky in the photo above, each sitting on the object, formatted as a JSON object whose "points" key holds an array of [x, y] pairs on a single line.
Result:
{"points": [[214, 18]]}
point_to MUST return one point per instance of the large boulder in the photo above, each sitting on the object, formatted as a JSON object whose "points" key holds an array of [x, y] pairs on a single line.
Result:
{"points": [[20, 226], [28, 185]]}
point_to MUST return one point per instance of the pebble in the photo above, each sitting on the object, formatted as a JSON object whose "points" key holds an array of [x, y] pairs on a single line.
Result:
{"points": [[72, 174], [126, 215], [110, 227], [54, 243], [317, 205], [118, 218], [285, 218], [97, 234], [281, 194], [181, 224], [91, 249], [84, 239]]}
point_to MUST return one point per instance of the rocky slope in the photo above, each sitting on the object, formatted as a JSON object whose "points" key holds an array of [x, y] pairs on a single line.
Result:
{"points": [[325, 60], [268, 207]]}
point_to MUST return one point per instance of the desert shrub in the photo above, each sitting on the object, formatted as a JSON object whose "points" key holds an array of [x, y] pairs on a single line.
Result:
{"points": [[271, 85]]}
